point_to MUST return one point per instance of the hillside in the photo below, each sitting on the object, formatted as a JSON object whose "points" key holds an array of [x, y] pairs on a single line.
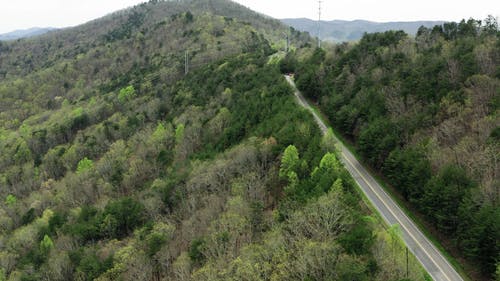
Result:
{"points": [[25, 33], [345, 31], [424, 113], [118, 164]]}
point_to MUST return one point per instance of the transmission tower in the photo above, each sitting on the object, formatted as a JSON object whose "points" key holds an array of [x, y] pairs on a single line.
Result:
{"points": [[319, 23]]}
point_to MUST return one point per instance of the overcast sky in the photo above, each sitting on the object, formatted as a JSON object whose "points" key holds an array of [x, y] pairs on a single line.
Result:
{"points": [[21, 14]]}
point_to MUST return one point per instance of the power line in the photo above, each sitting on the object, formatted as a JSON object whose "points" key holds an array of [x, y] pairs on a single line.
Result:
{"points": [[319, 23]]}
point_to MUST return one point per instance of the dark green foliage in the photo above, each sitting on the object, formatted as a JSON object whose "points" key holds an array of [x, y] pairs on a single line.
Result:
{"points": [[288, 64], [123, 216], [359, 239], [56, 221], [188, 17], [495, 135], [89, 264], [377, 140], [117, 220], [154, 243], [309, 76], [133, 22], [409, 171], [443, 195], [196, 251], [78, 138], [28, 217], [401, 102], [87, 227], [478, 233]]}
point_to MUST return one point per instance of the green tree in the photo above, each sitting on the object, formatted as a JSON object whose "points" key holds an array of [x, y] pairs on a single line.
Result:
{"points": [[290, 161], [84, 165], [443, 196], [126, 94], [179, 133], [2, 275], [126, 214], [46, 244], [22, 153], [10, 200]]}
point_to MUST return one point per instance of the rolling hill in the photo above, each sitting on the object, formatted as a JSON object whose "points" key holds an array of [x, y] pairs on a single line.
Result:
{"points": [[344, 31], [119, 163], [25, 33], [423, 111]]}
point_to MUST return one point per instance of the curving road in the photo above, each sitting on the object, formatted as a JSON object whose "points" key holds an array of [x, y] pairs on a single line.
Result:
{"points": [[432, 260]]}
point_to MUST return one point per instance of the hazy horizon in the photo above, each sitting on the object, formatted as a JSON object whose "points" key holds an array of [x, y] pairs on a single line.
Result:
{"points": [[16, 15]]}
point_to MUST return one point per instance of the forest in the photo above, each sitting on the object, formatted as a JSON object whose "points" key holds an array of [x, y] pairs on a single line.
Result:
{"points": [[423, 112], [116, 164]]}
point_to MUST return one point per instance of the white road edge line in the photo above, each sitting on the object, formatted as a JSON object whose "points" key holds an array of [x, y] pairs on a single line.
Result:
{"points": [[396, 217], [320, 122]]}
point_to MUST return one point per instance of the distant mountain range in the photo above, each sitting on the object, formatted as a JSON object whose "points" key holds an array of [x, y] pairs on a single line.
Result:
{"points": [[25, 33], [341, 30], [336, 30]]}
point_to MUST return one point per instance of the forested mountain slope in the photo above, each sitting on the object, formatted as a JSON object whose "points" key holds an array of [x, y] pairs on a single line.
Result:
{"points": [[115, 165], [425, 113]]}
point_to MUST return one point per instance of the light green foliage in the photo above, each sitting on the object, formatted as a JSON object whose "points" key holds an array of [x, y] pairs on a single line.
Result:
{"points": [[3, 134], [10, 200], [326, 218], [330, 162], [84, 165], [2, 275], [179, 133], [77, 112], [293, 182], [289, 162], [159, 132], [25, 130], [65, 103], [126, 94], [129, 263], [390, 254], [227, 93], [22, 152], [179, 183], [46, 244]]}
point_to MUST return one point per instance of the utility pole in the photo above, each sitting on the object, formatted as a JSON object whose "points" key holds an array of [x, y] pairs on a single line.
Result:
{"points": [[319, 23], [186, 62], [287, 49], [407, 269]]}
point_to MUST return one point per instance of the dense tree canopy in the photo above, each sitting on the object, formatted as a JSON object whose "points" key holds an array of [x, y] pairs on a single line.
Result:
{"points": [[424, 111], [116, 165]]}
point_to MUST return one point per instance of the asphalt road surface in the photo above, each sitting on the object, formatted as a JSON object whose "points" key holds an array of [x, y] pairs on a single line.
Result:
{"points": [[432, 260]]}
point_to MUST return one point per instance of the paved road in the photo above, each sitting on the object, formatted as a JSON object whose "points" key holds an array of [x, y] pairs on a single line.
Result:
{"points": [[432, 260]]}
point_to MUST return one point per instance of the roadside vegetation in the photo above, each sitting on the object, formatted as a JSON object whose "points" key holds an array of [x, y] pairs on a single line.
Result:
{"points": [[424, 112]]}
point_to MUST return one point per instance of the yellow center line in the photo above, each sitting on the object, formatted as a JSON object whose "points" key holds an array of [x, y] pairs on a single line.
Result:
{"points": [[396, 217], [321, 124]]}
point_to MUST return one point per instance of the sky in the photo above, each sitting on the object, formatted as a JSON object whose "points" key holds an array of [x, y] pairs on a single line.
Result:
{"points": [[22, 14]]}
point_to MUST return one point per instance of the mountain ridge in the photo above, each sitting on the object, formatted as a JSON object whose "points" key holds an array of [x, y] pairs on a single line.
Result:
{"points": [[161, 142], [345, 30], [25, 33]]}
